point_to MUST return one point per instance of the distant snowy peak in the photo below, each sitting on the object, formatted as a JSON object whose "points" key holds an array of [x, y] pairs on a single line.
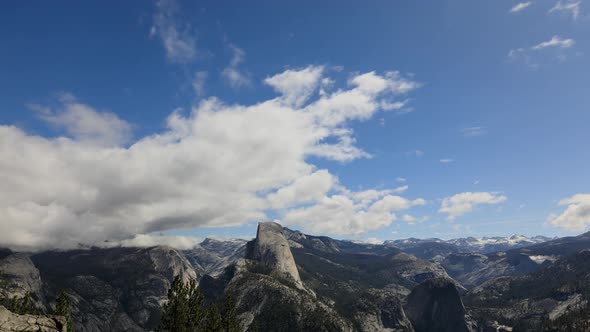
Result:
{"points": [[475, 244]]}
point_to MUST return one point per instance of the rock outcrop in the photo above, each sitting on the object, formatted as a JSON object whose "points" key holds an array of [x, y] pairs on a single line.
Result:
{"points": [[271, 248], [115, 289], [30, 323], [435, 305], [19, 277]]}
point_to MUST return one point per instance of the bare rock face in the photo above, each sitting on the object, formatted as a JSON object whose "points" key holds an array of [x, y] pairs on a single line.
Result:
{"points": [[113, 289], [30, 323], [271, 248], [20, 276], [435, 305]]}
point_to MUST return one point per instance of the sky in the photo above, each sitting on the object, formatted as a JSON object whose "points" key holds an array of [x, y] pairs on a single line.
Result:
{"points": [[169, 121]]}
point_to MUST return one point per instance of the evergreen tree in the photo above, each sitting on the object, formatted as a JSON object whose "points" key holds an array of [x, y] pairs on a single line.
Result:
{"points": [[183, 311], [230, 319], [23, 306], [213, 322], [195, 306], [62, 308]]}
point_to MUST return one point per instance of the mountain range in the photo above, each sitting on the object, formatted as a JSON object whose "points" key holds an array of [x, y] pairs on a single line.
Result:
{"points": [[285, 280]]}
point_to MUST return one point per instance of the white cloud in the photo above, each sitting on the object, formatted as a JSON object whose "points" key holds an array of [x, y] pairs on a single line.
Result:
{"points": [[199, 83], [446, 160], [555, 41], [400, 189], [373, 240], [148, 240], [473, 131], [296, 86], [84, 123], [308, 188], [346, 214], [459, 204], [520, 7], [530, 55], [177, 38], [234, 76], [577, 214], [568, 8], [400, 179], [219, 165]]}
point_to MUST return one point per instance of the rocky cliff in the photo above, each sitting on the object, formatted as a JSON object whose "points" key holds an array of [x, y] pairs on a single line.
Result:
{"points": [[20, 276], [115, 289], [271, 248], [11, 322], [435, 306]]}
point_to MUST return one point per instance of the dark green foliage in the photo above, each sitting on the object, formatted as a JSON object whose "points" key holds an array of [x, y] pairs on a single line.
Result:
{"points": [[21, 306], [230, 318], [62, 308], [213, 321], [185, 311]]}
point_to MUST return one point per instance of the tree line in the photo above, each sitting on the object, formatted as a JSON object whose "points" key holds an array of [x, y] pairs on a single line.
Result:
{"points": [[25, 306], [185, 311]]}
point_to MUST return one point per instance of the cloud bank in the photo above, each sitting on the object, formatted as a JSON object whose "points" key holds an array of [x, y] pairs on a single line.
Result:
{"points": [[217, 165], [577, 214]]}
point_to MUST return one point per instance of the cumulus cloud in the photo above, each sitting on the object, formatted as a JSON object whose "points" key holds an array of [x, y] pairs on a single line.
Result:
{"points": [[296, 86], [176, 36], [217, 165], [520, 7], [309, 188], [460, 204], [571, 8], [233, 75], [343, 214], [84, 123], [577, 214]]}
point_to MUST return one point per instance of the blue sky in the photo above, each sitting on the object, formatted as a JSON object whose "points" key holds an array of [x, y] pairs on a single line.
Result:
{"points": [[498, 110]]}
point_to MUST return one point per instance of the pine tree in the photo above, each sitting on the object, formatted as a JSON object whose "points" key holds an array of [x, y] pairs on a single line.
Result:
{"points": [[196, 313], [62, 308], [213, 322], [183, 311], [23, 306], [230, 319]]}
